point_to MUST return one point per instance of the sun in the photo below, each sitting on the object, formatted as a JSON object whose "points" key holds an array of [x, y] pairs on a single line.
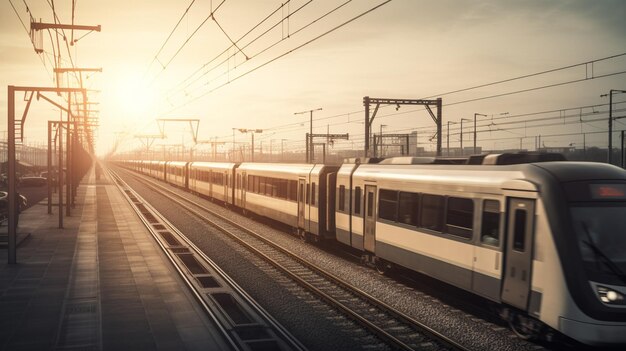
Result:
{"points": [[135, 98]]}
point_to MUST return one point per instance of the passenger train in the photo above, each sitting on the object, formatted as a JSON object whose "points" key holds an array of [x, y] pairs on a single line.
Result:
{"points": [[543, 238]]}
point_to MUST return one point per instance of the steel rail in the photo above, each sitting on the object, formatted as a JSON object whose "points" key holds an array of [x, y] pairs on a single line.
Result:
{"points": [[286, 337]]}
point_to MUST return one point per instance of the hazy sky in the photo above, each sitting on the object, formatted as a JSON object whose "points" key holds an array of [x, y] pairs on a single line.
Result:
{"points": [[404, 49]]}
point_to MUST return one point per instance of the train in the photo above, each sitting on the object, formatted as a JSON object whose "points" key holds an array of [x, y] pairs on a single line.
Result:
{"points": [[542, 238]]}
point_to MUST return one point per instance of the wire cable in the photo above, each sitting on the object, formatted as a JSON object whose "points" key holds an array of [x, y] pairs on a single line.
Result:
{"points": [[284, 54], [169, 36], [188, 39]]}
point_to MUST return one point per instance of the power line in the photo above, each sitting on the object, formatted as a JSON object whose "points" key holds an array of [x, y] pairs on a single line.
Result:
{"points": [[29, 37], [284, 54], [227, 49], [273, 44], [170, 35], [487, 84], [488, 97], [359, 136], [529, 75], [189, 38]]}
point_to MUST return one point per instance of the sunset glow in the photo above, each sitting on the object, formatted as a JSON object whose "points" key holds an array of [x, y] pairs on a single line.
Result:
{"points": [[252, 65]]}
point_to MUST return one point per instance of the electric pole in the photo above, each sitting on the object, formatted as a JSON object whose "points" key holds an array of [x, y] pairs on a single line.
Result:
{"points": [[309, 142]]}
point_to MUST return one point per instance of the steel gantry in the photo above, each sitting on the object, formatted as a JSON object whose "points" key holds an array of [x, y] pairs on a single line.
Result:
{"points": [[13, 126], [368, 101], [310, 152]]}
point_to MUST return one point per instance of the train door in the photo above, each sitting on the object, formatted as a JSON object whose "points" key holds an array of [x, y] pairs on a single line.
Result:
{"points": [[244, 185], [225, 187], [191, 179], [518, 252], [301, 204], [186, 175], [369, 223]]}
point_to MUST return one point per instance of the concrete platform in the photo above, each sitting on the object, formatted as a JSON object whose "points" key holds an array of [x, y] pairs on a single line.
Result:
{"points": [[100, 283]]}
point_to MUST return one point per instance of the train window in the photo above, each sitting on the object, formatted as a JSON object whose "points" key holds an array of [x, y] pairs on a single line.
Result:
{"points": [[431, 212], [273, 186], [460, 217], [308, 194], [269, 186], [266, 188], [342, 198], [238, 184], [519, 231], [357, 200], [370, 204], [281, 188], [313, 194], [388, 205], [490, 226], [408, 206], [293, 190]]}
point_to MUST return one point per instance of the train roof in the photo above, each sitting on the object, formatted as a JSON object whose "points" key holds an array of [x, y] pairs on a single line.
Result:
{"points": [[220, 165], [578, 171], [176, 163], [465, 175], [493, 175], [298, 168]]}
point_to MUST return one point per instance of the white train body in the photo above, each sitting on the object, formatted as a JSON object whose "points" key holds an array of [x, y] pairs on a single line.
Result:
{"points": [[546, 241], [213, 179], [176, 173]]}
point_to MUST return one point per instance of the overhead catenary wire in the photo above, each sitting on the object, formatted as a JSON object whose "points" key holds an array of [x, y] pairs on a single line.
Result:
{"points": [[360, 136], [481, 124], [262, 51], [286, 126], [43, 62], [176, 88], [485, 85], [155, 58], [284, 54], [213, 11]]}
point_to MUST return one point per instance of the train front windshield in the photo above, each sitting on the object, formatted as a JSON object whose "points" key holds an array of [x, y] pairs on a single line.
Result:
{"points": [[600, 226]]}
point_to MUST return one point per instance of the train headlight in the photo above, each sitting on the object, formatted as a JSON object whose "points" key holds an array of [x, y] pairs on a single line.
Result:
{"points": [[610, 296]]}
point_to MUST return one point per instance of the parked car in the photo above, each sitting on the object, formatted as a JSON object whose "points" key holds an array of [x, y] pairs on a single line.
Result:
{"points": [[33, 181], [4, 210]]}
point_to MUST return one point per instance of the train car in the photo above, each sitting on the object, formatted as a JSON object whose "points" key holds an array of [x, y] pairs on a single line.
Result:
{"points": [[155, 169], [293, 194], [213, 179], [542, 240], [319, 219], [139, 166], [535, 238], [348, 221], [130, 164], [273, 190], [176, 173]]}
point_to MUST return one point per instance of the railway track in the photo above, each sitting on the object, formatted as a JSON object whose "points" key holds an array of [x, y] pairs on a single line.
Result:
{"points": [[391, 328], [236, 315]]}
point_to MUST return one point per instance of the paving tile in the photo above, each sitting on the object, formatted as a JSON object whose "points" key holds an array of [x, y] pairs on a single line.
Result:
{"points": [[101, 278]]}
